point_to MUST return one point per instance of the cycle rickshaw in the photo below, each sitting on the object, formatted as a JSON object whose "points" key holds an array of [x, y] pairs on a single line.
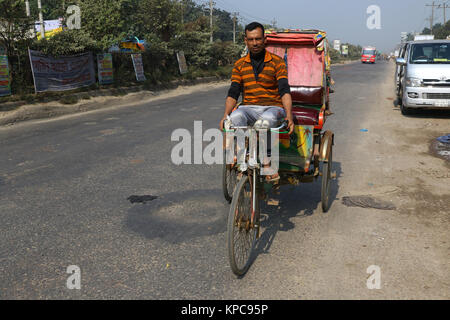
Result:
{"points": [[303, 156]]}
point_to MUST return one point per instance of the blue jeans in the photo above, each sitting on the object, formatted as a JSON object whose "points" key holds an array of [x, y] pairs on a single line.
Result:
{"points": [[247, 115]]}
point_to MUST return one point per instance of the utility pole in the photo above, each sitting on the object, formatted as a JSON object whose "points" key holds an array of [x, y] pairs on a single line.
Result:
{"points": [[41, 19], [444, 6], [432, 14], [27, 7], [182, 4], [211, 20], [235, 14]]}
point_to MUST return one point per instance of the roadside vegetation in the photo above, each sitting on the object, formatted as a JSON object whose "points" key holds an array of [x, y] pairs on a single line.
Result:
{"points": [[354, 53], [440, 31], [167, 26]]}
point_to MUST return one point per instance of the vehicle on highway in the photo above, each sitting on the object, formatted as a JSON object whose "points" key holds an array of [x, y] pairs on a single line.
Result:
{"points": [[368, 55], [304, 156], [424, 79], [400, 69]]}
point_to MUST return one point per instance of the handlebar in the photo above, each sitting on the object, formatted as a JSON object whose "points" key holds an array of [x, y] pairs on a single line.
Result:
{"points": [[231, 127]]}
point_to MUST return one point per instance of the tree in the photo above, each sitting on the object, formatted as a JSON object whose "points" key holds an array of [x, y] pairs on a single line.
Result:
{"points": [[426, 31], [223, 26], [108, 21], [67, 42], [354, 51], [161, 17], [439, 31], [14, 25], [51, 9]]}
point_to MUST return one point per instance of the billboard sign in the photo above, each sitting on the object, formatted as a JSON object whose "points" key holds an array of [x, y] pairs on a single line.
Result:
{"points": [[345, 50], [182, 62], [62, 73], [337, 45], [138, 66], [105, 68], [5, 81]]}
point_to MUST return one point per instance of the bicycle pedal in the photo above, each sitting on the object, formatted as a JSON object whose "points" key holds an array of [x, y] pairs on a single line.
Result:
{"points": [[273, 202]]}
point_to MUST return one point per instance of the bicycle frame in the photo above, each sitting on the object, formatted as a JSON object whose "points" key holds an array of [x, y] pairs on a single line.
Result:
{"points": [[251, 157]]}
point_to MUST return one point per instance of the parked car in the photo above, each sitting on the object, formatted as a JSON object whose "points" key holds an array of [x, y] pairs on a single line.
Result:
{"points": [[400, 69], [424, 75]]}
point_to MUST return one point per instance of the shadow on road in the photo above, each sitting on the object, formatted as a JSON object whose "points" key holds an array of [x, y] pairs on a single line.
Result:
{"points": [[298, 201], [179, 217], [423, 113], [427, 113]]}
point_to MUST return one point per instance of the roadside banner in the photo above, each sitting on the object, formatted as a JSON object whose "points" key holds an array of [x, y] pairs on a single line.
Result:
{"points": [[182, 62], [5, 82], [62, 73], [105, 68], [345, 50], [337, 45], [138, 66]]}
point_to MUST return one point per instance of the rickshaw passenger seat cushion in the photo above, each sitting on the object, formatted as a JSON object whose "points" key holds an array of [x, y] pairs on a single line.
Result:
{"points": [[307, 95], [305, 116]]}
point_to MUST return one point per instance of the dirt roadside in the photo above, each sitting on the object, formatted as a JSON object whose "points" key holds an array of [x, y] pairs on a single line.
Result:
{"points": [[396, 158]]}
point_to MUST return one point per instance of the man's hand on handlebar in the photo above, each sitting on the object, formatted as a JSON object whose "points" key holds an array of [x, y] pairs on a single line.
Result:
{"points": [[222, 122], [290, 124]]}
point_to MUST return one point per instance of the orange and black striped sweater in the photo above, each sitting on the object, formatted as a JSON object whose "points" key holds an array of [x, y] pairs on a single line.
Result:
{"points": [[265, 88]]}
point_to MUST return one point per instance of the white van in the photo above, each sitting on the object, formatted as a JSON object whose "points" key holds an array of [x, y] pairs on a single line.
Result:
{"points": [[425, 75]]}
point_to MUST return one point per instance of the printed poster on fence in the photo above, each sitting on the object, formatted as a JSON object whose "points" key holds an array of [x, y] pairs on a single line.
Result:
{"points": [[5, 82], [105, 68], [182, 62], [138, 66], [62, 73]]}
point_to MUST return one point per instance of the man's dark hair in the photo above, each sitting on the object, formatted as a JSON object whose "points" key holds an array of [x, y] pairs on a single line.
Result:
{"points": [[252, 26]]}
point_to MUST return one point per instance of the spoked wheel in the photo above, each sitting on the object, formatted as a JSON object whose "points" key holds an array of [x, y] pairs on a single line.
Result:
{"points": [[242, 232], [326, 182], [229, 179]]}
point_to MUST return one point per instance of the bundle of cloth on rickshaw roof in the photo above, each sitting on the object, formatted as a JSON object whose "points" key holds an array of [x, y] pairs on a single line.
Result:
{"points": [[300, 37]]}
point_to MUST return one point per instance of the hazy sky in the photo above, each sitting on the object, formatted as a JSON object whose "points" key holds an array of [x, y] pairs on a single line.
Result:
{"points": [[345, 20]]}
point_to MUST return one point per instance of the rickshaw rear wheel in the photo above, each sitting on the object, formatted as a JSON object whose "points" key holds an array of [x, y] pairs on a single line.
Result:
{"points": [[326, 182], [241, 232]]}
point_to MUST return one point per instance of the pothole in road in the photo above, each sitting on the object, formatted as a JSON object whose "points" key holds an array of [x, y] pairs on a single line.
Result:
{"points": [[367, 202], [141, 199]]}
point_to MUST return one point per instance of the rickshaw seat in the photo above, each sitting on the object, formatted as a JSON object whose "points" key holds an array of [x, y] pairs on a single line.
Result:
{"points": [[305, 115], [307, 95]]}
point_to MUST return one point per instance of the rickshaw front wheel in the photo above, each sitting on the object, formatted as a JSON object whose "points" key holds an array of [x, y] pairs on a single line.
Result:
{"points": [[242, 231], [229, 179]]}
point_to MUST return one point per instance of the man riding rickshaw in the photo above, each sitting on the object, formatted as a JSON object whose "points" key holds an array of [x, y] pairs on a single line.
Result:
{"points": [[285, 80], [263, 78]]}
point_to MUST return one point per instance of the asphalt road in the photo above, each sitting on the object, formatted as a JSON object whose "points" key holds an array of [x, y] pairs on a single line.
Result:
{"points": [[64, 200]]}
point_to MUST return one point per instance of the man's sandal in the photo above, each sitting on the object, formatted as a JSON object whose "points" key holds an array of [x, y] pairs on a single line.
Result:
{"points": [[272, 177]]}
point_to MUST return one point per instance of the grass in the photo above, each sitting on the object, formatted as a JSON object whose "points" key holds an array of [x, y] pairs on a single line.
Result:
{"points": [[69, 100]]}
